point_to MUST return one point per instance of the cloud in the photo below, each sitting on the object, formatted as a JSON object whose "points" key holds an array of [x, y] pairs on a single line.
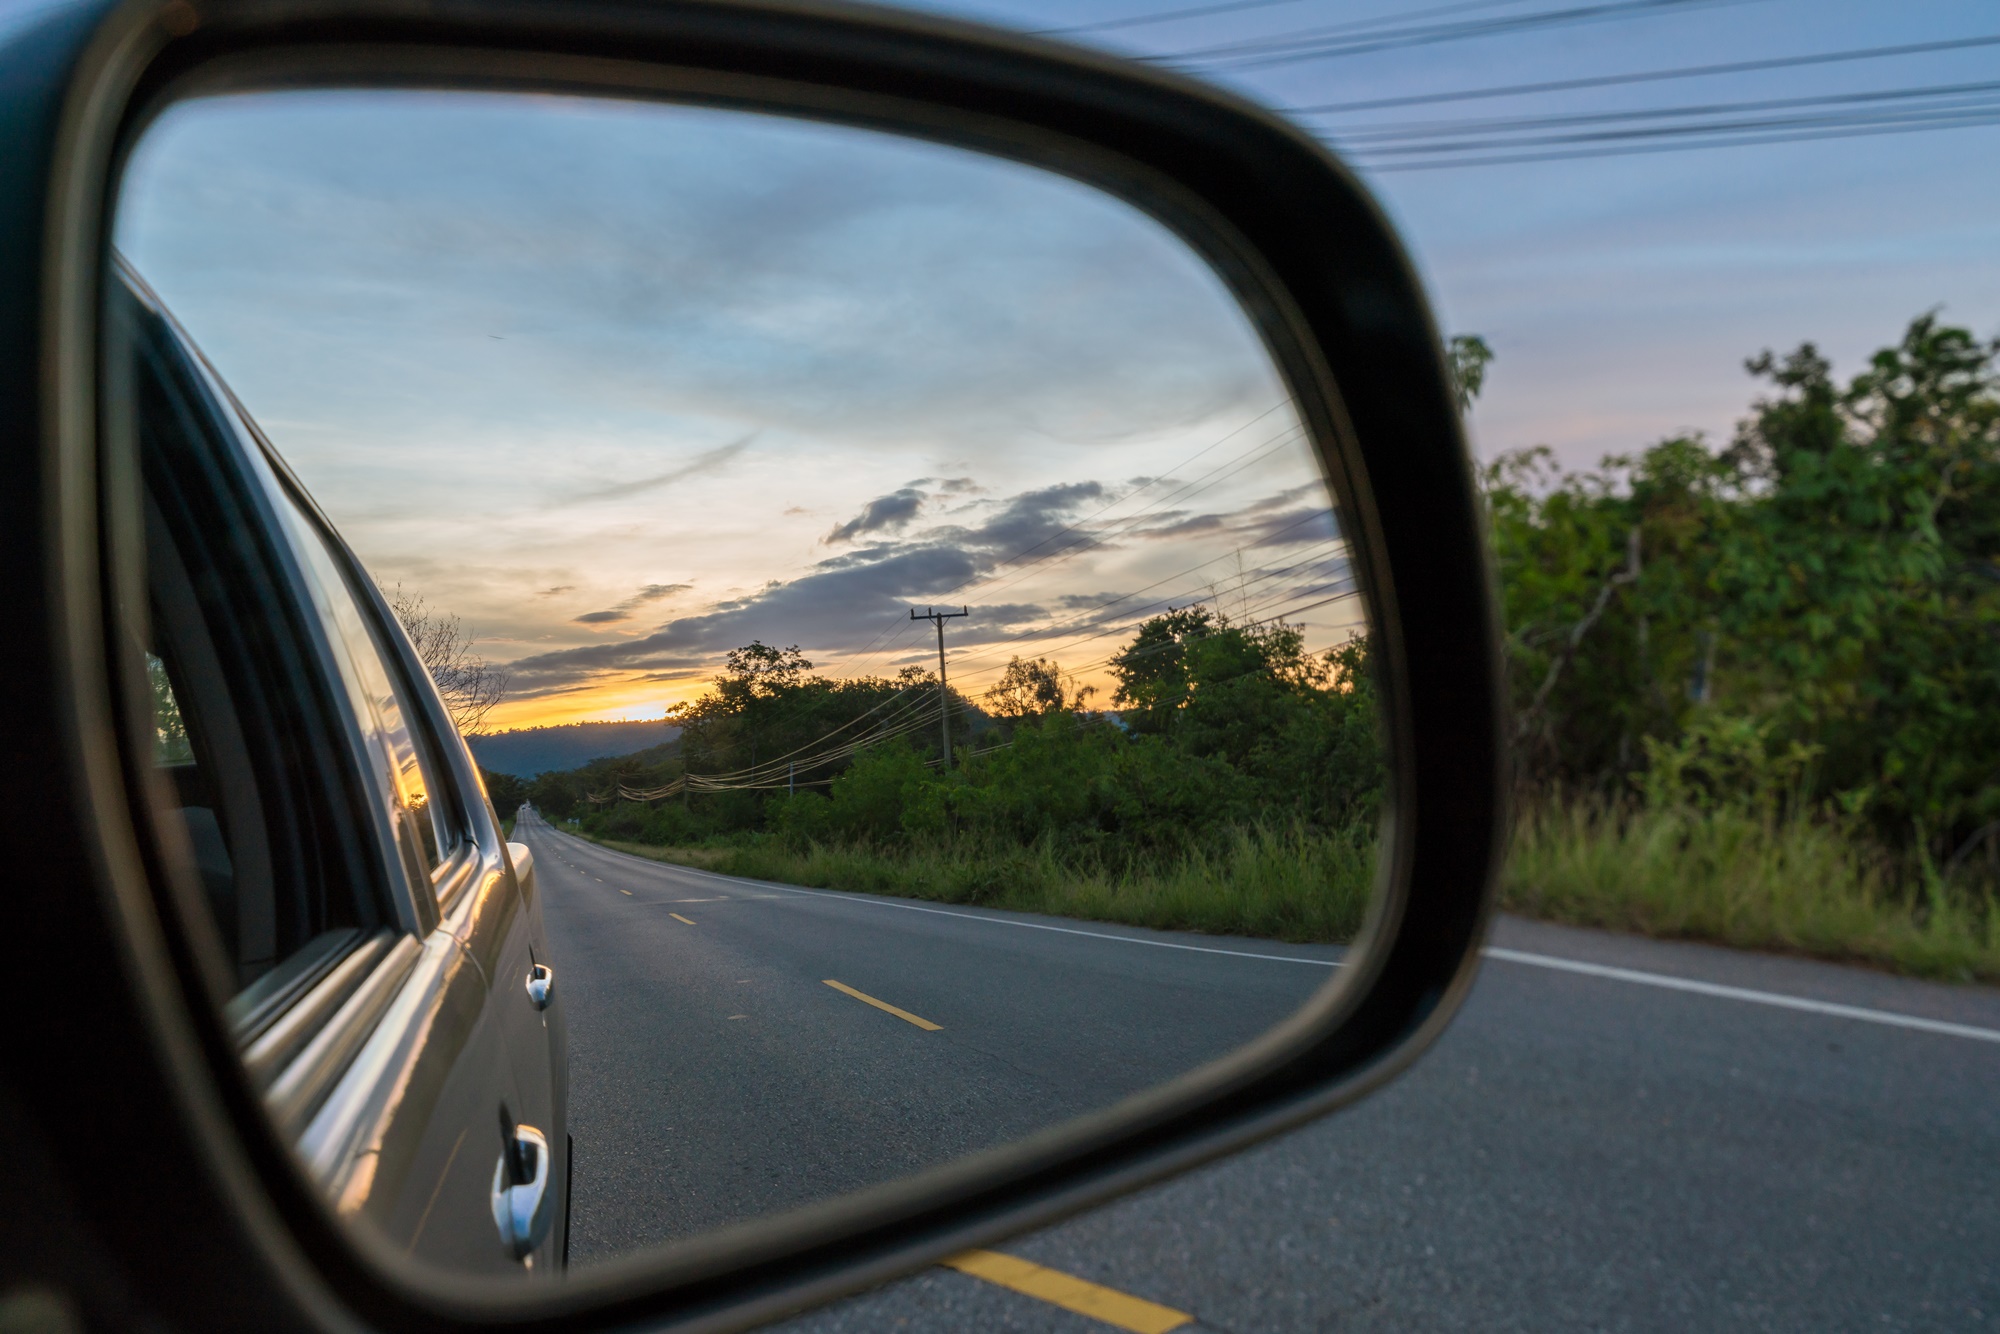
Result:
{"points": [[1032, 520], [893, 511], [623, 611], [893, 558], [834, 603], [559, 588], [708, 461]]}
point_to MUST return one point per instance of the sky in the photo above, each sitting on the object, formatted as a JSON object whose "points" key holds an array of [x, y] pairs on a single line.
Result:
{"points": [[1622, 294], [624, 386]]}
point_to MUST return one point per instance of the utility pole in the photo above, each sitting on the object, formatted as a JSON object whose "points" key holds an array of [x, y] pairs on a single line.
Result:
{"points": [[938, 618]]}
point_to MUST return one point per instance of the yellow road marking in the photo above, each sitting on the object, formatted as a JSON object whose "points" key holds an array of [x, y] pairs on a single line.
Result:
{"points": [[866, 999], [626, 892], [678, 918], [1071, 1293]]}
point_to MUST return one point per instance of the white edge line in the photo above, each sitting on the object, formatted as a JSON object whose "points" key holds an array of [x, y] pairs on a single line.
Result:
{"points": [[1549, 961], [870, 902], [1772, 998]]}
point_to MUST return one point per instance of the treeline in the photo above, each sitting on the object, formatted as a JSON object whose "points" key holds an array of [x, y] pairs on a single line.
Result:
{"points": [[1217, 727], [1804, 620], [1757, 684]]}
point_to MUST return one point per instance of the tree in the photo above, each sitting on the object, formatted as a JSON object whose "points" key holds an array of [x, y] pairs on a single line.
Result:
{"points": [[505, 791], [1820, 599], [469, 685], [1467, 355], [1034, 687]]}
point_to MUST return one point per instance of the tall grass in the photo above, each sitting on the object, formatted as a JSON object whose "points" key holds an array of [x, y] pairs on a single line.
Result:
{"points": [[1801, 884], [1289, 883]]}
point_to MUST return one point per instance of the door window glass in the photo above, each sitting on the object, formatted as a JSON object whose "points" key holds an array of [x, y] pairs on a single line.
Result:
{"points": [[425, 822]]}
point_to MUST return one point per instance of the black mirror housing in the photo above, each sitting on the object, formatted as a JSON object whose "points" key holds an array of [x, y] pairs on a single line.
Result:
{"points": [[154, 1187]]}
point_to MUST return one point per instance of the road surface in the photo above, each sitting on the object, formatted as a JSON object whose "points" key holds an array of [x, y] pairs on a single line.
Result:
{"points": [[1777, 1148]]}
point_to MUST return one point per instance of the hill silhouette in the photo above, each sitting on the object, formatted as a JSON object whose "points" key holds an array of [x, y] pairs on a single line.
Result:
{"points": [[527, 751]]}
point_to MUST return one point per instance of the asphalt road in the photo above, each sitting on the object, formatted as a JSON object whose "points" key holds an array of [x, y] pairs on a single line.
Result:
{"points": [[1583, 1150], [716, 1076]]}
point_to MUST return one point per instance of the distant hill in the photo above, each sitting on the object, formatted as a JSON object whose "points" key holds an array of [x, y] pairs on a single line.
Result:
{"points": [[527, 751]]}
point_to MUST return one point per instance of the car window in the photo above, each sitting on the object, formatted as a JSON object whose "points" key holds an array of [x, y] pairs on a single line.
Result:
{"points": [[425, 815], [249, 790]]}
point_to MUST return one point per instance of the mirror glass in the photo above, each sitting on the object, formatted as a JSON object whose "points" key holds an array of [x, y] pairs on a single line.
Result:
{"points": [[885, 591]]}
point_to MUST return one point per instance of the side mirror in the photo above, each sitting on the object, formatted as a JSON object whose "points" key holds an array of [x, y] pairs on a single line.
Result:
{"points": [[157, 1154]]}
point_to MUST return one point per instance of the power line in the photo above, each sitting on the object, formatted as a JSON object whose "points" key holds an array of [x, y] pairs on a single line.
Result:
{"points": [[898, 627], [1214, 477], [1649, 76], [1615, 143], [1411, 131], [1084, 618], [1129, 618], [1325, 44], [1204, 11], [1165, 16]]}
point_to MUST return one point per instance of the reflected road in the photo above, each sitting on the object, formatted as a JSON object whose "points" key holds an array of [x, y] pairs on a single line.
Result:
{"points": [[738, 1048]]}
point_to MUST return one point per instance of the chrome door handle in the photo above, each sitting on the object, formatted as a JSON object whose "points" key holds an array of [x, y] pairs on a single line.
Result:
{"points": [[541, 985], [522, 1209]]}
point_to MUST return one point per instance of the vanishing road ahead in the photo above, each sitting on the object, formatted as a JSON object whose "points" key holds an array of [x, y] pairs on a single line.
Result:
{"points": [[1615, 1134]]}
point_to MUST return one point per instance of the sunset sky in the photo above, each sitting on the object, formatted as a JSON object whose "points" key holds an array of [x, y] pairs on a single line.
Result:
{"points": [[625, 387]]}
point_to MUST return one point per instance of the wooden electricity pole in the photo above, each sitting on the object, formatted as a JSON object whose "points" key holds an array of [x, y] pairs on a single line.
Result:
{"points": [[938, 618]]}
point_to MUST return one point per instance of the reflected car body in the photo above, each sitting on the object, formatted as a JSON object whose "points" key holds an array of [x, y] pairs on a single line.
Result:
{"points": [[375, 944]]}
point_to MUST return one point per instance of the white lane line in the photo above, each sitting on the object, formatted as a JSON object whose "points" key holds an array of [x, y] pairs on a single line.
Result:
{"points": [[1634, 976], [1745, 994], [996, 921]]}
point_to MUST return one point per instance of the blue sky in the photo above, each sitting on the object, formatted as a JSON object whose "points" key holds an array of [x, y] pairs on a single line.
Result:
{"points": [[1623, 293], [627, 386]]}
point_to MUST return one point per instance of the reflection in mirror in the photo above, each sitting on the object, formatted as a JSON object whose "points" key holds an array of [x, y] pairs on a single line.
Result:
{"points": [[898, 617]]}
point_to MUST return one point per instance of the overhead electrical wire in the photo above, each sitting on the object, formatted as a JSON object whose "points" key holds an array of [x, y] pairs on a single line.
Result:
{"points": [[913, 716], [899, 627], [1237, 6], [1127, 619], [1647, 76], [1417, 131], [1501, 150], [1086, 616], [1162, 16], [1330, 43]]}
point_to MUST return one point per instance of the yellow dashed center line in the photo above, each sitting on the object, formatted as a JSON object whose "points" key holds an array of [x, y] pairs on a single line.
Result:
{"points": [[1071, 1293], [626, 892], [866, 999], [678, 918]]}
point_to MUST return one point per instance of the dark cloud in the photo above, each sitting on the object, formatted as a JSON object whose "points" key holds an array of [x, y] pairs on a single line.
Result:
{"points": [[893, 512], [839, 603], [1178, 523], [1312, 523], [1032, 520], [623, 611], [1275, 519], [559, 588], [836, 603]]}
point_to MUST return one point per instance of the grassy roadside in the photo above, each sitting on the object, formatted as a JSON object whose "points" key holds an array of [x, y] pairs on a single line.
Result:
{"points": [[1794, 887], [1797, 886], [1280, 884]]}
